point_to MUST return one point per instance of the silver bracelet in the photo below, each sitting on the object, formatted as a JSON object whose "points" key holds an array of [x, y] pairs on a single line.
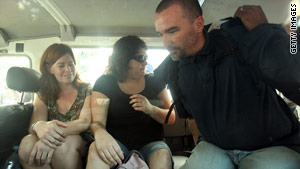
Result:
{"points": [[32, 126]]}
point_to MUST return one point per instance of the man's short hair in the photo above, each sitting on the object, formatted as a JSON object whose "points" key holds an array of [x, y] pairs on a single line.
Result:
{"points": [[191, 8]]}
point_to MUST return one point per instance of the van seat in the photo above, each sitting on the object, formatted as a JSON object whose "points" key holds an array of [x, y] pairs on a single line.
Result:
{"points": [[180, 140], [23, 79], [14, 121], [15, 118], [179, 161]]}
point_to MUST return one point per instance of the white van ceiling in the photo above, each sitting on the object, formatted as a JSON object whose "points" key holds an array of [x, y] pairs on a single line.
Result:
{"points": [[26, 19]]}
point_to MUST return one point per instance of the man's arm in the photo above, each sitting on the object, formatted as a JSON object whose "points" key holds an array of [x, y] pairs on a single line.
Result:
{"points": [[251, 16], [266, 48]]}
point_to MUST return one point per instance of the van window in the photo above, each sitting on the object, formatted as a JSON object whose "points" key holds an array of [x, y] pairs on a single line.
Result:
{"points": [[8, 96], [92, 62]]}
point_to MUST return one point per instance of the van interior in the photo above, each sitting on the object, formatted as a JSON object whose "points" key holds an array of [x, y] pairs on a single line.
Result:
{"points": [[90, 27]]}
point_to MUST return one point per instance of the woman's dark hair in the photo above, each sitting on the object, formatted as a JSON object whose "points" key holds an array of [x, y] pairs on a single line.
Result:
{"points": [[49, 86], [124, 50]]}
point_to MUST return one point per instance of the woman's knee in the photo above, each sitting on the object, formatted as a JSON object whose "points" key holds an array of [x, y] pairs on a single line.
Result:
{"points": [[94, 161], [161, 155], [73, 145], [161, 158], [93, 154], [26, 147]]}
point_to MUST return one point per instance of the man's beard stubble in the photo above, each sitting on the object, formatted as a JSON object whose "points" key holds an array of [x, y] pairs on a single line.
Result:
{"points": [[176, 53]]}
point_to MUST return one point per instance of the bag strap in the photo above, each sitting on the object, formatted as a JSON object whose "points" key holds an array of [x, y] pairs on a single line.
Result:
{"points": [[175, 92], [170, 110]]}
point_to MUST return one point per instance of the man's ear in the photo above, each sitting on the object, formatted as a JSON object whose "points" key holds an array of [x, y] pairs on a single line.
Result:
{"points": [[199, 24]]}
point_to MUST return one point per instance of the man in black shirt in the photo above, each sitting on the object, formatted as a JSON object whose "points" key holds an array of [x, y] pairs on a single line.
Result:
{"points": [[230, 93]]}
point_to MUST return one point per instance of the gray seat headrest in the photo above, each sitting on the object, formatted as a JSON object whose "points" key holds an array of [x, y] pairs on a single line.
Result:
{"points": [[23, 79]]}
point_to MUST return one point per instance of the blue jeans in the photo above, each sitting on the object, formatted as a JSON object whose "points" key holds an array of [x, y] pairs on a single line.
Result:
{"points": [[209, 156]]}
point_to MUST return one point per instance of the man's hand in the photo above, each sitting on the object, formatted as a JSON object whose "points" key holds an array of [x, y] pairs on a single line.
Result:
{"points": [[251, 16]]}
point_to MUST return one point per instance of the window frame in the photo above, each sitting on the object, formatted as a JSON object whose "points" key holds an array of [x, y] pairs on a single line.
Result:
{"points": [[104, 46]]}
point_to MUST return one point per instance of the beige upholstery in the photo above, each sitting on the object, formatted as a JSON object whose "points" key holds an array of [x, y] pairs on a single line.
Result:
{"points": [[179, 161], [176, 133]]}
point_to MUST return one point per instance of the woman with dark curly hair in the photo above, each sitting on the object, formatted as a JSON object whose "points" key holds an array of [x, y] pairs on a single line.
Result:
{"points": [[128, 108], [61, 112]]}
